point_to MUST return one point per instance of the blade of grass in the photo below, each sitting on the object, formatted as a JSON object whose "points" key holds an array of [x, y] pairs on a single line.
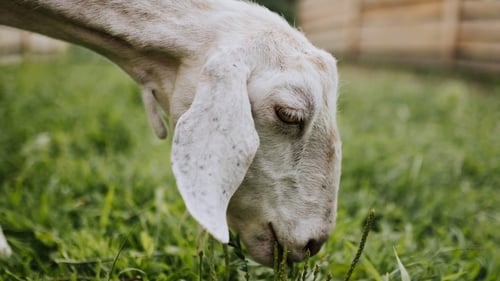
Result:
{"points": [[115, 260], [276, 261], [369, 267], [316, 272], [226, 262], [131, 269], [366, 231], [107, 206], [404, 273], [200, 265]]}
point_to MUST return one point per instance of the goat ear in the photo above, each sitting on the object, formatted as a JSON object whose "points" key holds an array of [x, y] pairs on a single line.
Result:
{"points": [[154, 117], [214, 143]]}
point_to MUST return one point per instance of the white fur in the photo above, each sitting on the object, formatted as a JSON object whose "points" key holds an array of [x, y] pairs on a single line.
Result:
{"points": [[221, 69]]}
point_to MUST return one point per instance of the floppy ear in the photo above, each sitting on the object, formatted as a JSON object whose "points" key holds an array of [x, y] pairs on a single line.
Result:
{"points": [[154, 117], [214, 143]]}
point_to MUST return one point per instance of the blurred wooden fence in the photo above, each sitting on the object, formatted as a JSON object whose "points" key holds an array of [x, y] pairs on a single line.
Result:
{"points": [[447, 32], [14, 42]]}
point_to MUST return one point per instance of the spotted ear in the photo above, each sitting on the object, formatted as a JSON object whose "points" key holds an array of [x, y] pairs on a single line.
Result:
{"points": [[214, 143]]}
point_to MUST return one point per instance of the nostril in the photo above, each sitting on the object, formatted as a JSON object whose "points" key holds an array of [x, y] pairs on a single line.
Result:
{"points": [[313, 246]]}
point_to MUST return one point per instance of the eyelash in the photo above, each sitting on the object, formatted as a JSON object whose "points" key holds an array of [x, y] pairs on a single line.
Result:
{"points": [[288, 116]]}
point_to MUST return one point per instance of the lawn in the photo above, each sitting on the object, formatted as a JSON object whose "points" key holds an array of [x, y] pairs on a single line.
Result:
{"points": [[87, 193]]}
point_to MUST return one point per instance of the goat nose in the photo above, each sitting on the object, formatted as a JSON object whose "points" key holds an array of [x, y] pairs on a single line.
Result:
{"points": [[313, 246]]}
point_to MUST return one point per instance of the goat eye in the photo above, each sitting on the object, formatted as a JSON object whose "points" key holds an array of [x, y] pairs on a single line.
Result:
{"points": [[288, 116]]}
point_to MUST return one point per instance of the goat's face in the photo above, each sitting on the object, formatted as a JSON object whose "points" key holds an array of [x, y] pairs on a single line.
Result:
{"points": [[259, 150], [290, 190]]}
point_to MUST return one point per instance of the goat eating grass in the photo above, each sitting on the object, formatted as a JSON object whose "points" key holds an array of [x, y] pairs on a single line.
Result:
{"points": [[256, 146]]}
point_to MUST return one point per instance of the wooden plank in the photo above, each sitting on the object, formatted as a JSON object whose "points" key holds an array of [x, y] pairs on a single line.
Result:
{"points": [[332, 46], [331, 40], [404, 14], [383, 4], [330, 34], [405, 49], [314, 4], [480, 30], [479, 51], [408, 40], [402, 34], [421, 60], [323, 23], [319, 11], [482, 66], [481, 10], [449, 29], [353, 28]]}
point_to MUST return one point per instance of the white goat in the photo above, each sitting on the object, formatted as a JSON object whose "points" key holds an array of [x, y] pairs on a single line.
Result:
{"points": [[256, 145]]}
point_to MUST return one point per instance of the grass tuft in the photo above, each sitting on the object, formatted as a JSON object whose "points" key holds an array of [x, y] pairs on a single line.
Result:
{"points": [[280, 262]]}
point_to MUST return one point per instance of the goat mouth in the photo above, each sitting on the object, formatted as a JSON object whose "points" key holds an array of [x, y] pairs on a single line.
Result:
{"points": [[279, 253]]}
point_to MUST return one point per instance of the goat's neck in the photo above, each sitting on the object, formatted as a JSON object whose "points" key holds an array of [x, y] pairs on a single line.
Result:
{"points": [[140, 36], [148, 39]]}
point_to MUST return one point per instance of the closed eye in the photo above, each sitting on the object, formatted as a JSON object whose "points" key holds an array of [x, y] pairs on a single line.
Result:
{"points": [[289, 116]]}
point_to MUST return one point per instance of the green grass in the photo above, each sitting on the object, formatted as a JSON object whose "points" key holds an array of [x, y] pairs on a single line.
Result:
{"points": [[87, 193]]}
